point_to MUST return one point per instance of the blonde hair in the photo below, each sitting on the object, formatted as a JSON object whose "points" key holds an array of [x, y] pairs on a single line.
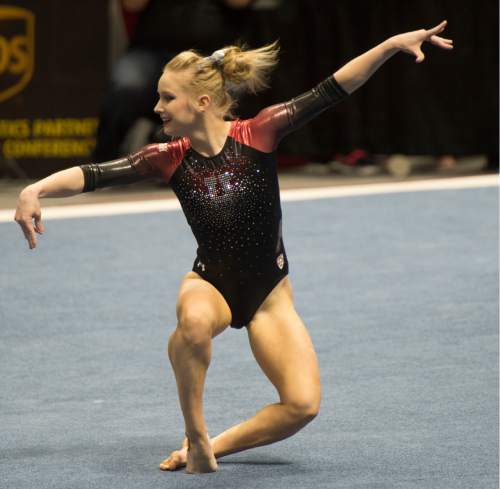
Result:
{"points": [[239, 68]]}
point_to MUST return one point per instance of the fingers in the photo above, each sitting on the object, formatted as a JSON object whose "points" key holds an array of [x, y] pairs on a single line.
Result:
{"points": [[420, 56], [29, 233], [441, 42], [437, 40], [30, 236], [439, 28], [29, 230], [28, 208], [39, 227]]}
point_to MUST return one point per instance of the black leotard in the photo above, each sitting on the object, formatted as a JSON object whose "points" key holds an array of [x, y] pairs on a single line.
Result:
{"points": [[231, 200]]}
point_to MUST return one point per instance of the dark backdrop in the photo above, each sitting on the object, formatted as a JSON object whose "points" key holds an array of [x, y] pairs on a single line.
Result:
{"points": [[448, 104]]}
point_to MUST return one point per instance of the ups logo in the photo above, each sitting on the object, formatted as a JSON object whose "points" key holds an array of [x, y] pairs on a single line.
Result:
{"points": [[17, 49]]}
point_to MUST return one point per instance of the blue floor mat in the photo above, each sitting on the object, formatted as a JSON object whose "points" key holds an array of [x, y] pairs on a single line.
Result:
{"points": [[399, 293]]}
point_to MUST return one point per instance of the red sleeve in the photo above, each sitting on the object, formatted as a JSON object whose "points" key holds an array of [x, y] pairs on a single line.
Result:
{"points": [[155, 160], [159, 159], [265, 131]]}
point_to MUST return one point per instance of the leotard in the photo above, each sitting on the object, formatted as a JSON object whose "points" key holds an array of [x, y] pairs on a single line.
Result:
{"points": [[231, 200]]}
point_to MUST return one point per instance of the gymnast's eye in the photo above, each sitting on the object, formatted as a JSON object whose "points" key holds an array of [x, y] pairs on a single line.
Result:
{"points": [[167, 97]]}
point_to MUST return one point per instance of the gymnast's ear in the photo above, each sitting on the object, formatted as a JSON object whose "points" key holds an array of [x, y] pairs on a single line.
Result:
{"points": [[204, 102]]}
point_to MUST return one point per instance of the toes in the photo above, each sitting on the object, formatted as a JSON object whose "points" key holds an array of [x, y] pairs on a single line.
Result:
{"points": [[165, 465], [169, 464], [173, 462]]}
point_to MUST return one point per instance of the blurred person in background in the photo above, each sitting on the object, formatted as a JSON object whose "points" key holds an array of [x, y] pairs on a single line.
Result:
{"points": [[158, 29], [441, 125]]}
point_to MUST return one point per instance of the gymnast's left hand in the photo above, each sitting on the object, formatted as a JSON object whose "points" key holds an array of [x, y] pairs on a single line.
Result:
{"points": [[411, 42]]}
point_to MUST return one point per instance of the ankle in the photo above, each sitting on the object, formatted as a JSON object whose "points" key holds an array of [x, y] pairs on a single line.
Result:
{"points": [[197, 436]]}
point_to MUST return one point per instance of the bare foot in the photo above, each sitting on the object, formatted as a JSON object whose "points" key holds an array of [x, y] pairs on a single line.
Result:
{"points": [[179, 458], [200, 457]]}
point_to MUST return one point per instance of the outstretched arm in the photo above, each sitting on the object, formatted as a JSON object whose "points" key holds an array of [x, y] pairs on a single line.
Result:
{"points": [[66, 183], [275, 122], [154, 160], [357, 71]]}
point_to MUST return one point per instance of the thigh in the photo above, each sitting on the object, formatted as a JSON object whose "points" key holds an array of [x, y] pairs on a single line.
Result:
{"points": [[283, 348], [197, 297]]}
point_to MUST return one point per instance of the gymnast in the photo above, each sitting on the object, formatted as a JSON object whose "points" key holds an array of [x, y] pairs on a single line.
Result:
{"points": [[223, 171]]}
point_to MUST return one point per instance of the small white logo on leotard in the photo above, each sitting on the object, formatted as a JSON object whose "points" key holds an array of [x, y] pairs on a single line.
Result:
{"points": [[280, 261], [201, 265]]}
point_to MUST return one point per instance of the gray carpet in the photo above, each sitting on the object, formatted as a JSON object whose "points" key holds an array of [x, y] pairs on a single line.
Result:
{"points": [[400, 295]]}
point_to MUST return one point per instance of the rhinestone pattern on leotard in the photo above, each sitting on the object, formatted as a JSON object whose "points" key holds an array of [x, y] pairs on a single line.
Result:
{"points": [[231, 201]]}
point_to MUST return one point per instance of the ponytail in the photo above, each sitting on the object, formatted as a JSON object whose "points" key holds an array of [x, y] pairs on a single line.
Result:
{"points": [[229, 71], [250, 68]]}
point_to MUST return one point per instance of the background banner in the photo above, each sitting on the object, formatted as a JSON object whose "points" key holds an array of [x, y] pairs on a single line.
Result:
{"points": [[53, 66]]}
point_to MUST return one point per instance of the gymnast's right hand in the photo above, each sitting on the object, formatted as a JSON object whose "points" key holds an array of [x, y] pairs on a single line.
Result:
{"points": [[28, 208]]}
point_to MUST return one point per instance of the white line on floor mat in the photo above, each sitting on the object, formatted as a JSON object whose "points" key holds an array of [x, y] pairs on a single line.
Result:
{"points": [[146, 206]]}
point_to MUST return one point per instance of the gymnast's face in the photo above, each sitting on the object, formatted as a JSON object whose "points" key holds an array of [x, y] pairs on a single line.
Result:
{"points": [[178, 109]]}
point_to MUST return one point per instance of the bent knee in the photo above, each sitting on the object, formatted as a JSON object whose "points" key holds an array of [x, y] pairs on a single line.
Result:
{"points": [[195, 326], [303, 410]]}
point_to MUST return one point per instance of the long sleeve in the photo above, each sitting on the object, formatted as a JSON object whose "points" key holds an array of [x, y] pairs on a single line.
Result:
{"points": [[273, 123], [154, 160]]}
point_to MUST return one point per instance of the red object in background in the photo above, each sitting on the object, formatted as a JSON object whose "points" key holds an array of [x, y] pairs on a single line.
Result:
{"points": [[355, 157], [130, 20]]}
